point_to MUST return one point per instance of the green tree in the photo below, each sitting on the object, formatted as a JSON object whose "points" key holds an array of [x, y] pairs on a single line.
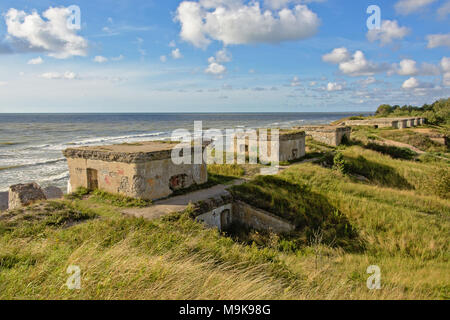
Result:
{"points": [[384, 110]]}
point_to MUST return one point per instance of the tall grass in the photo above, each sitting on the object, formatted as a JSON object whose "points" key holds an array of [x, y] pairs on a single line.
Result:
{"points": [[405, 231]]}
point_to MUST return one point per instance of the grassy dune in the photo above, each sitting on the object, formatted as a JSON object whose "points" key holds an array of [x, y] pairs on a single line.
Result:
{"points": [[393, 218]]}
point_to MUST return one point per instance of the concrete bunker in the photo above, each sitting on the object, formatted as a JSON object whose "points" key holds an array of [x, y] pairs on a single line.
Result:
{"points": [[331, 135], [141, 170], [292, 145], [396, 123], [222, 212]]}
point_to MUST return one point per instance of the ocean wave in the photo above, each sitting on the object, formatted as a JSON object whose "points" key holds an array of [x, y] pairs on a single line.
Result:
{"points": [[115, 138], [57, 177], [34, 164]]}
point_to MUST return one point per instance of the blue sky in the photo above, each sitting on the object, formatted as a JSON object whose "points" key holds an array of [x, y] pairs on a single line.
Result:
{"points": [[222, 55]]}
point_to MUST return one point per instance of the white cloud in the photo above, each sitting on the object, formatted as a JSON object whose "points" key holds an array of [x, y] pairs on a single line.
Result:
{"points": [[406, 7], [216, 69], [438, 40], [336, 56], [3, 83], [408, 67], [176, 54], [100, 59], [52, 35], [356, 65], [68, 75], [413, 83], [389, 31], [37, 60], [236, 22], [334, 86], [223, 55], [163, 59], [172, 44]]}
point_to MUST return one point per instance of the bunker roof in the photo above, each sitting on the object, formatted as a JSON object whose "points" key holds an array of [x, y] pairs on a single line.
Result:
{"points": [[284, 134], [325, 128], [127, 152]]}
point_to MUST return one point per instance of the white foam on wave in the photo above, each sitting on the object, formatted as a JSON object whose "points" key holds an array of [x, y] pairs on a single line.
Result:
{"points": [[116, 138]]}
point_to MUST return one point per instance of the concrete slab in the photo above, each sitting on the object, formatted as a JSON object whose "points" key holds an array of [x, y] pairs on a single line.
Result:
{"points": [[179, 203]]}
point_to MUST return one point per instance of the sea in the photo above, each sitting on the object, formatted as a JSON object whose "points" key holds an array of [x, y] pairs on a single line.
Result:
{"points": [[31, 145]]}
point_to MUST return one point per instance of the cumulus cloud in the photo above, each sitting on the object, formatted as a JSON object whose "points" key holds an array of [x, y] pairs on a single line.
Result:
{"points": [[176, 54], [353, 65], [236, 22], [389, 31], [100, 59], [216, 69], [406, 7], [163, 58], [408, 67], [334, 86], [438, 40], [52, 35], [414, 83], [35, 61], [336, 56], [68, 75]]}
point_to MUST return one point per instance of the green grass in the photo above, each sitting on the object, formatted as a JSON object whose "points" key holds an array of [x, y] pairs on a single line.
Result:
{"points": [[227, 170], [420, 141], [103, 197]]}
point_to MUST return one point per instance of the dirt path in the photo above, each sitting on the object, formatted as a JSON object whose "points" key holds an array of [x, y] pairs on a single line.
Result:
{"points": [[179, 203], [387, 142]]}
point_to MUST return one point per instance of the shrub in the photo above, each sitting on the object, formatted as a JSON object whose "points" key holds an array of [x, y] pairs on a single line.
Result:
{"points": [[339, 163], [439, 183]]}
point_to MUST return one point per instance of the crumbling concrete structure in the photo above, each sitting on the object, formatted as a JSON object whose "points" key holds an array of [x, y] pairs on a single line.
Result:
{"points": [[222, 213], [331, 135], [292, 145], [141, 170], [21, 195], [402, 124], [397, 123]]}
